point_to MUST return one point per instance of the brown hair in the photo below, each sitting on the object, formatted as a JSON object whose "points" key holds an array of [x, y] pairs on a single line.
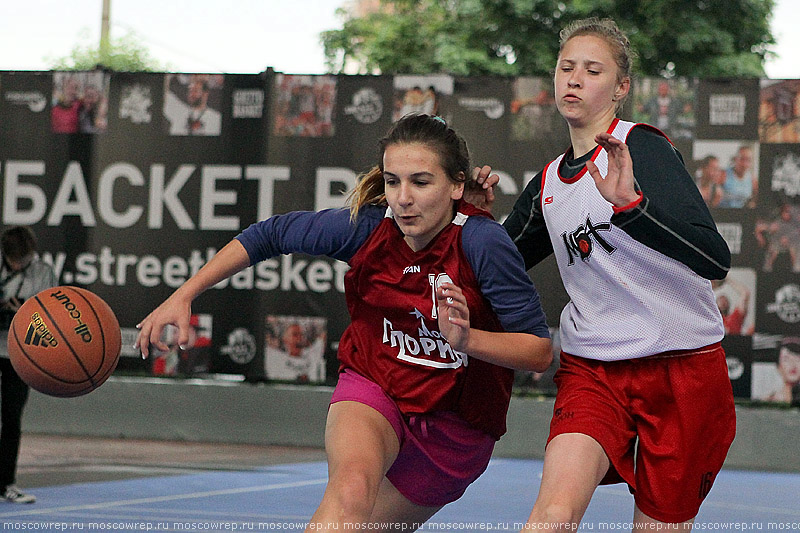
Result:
{"points": [[618, 42], [428, 130], [17, 242]]}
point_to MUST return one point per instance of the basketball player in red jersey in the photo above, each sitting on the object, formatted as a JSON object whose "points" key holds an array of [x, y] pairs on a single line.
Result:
{"points": [[438, 297], [643, 390]]}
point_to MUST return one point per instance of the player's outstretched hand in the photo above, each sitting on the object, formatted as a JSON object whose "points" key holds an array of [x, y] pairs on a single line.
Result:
{"points": [[480, 192], [618, 185], [175, 311], [453, 315]]}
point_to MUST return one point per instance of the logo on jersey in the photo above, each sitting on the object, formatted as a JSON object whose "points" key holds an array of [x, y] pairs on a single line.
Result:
{"points": [[413, 269], [428, 348], [581, 241]]}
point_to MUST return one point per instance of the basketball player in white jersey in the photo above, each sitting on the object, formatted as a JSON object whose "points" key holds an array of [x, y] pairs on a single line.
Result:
{"points": [[643, 391]]}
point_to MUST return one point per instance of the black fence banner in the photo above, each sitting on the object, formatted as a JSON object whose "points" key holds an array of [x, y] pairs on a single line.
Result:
{"points": [[133, 181]]}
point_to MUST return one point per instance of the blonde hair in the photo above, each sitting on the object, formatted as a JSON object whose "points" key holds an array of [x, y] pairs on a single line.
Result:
{"points": [[427, 130], [618, 42]]}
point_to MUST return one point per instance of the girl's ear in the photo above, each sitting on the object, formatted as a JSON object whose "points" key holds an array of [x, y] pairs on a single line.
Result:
{"points": [[622, 89], [458, 188]]}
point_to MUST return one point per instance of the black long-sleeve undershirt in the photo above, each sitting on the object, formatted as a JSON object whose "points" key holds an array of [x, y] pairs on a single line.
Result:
{"points": [[672, 217]]}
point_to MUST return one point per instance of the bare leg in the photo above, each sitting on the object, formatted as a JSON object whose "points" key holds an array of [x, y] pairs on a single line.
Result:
{"points": [[574, 464], [393, 508], [361, 446]]}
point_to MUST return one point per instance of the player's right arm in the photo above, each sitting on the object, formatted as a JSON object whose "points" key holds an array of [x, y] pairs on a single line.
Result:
{"points": [[672, 217], [329, 232], [526, 227], [177, 309], [525, 224]]}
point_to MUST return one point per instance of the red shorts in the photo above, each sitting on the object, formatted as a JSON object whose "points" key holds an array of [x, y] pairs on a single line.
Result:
{"points": [[680, 407], [440, 454]]}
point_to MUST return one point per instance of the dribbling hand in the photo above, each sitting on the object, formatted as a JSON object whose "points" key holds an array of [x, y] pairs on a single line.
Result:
{"points": [[173, 311]]}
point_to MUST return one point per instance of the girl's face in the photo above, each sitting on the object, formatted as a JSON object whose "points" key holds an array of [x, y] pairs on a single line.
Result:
{"points": [[789, 366], [586, 84], [418, 191]]}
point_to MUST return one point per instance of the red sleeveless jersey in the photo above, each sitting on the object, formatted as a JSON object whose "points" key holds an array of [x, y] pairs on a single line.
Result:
{"points": [[394, 338]]}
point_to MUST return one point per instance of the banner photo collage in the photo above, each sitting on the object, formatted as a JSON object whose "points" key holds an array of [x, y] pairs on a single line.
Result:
{"points": [[132, 181]]}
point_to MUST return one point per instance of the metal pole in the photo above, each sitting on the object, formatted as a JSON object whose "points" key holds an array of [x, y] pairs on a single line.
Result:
{"points": [[104, 29]]}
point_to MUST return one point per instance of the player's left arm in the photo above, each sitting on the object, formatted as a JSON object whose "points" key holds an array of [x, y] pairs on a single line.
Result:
{"points": [[519, 351], [525, 344], [672, 217]]}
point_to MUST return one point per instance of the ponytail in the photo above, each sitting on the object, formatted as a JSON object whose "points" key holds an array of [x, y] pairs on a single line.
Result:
{"points": [[369, 190]]}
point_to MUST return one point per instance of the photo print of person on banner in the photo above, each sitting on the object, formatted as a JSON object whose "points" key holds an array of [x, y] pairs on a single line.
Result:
{"points": [[420, 94], [304, 105], [776, 377], [295, 348], [80, 102], [534, 111], [192, 103], [727, 173], [779, 111]]}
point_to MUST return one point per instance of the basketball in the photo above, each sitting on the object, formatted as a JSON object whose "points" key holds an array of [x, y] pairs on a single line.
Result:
{"points": [[64, 341]]}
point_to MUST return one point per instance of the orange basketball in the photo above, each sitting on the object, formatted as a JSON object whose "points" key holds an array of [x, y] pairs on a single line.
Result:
{"points": [[64, 341]]}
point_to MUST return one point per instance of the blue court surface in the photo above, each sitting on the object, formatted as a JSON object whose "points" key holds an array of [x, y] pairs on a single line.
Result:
{"points": [[283, 497]]}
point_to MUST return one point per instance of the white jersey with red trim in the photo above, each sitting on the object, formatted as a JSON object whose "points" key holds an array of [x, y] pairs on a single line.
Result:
{"points": [[627, 300]]}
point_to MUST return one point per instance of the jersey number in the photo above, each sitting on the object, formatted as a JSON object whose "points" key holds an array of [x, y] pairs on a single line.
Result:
{"points": [[435, 281]]}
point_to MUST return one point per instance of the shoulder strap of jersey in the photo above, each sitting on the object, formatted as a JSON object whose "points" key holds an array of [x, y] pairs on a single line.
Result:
{"points": [[466, 209], [625, 128]]}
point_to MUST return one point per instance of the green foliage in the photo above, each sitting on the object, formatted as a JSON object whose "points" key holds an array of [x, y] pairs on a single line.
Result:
{"points": [[702, 38], [125, 54], [416, 37]]}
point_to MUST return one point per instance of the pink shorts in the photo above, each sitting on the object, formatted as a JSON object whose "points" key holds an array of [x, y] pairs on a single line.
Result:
{"points": [[440, 454], [679, 405]]}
